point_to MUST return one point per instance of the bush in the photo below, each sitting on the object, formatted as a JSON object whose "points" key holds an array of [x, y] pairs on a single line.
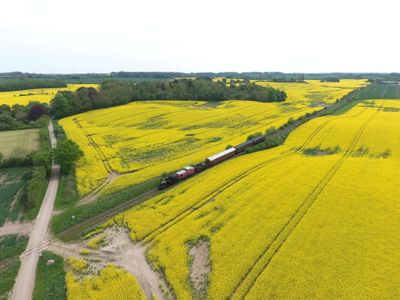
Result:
{"points": [[41, 122], [35, 187], [67, 154], [59, 131], [252, 136], [270, 130], [7, 122], [42, 158], [17, 161], [50, 283]]}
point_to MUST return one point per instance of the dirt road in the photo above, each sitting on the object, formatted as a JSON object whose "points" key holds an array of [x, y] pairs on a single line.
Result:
{"points": [[25, 281], [16, 228], [119, 250]]}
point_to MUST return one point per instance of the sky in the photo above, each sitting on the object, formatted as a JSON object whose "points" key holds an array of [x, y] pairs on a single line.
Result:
{"points": [[71, 36]]}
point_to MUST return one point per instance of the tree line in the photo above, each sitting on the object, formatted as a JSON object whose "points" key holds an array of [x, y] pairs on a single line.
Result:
{"points": [[113, 92], [142, 76], [29, 83], [330, 79], [23, 116]]}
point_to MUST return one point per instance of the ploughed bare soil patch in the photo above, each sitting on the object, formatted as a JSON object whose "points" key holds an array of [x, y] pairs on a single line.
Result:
{"points": [[200, 267]]}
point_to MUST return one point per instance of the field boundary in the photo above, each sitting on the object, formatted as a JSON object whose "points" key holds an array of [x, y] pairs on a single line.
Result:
{"points": [[92, 142]]}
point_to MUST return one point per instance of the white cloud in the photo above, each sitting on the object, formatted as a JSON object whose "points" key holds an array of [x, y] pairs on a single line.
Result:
{"points": [[177, 35]]}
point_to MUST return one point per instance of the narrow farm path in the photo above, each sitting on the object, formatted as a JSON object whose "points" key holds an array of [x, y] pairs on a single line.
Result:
{"points": [[93, 195], [25, 281], [23, 228]]}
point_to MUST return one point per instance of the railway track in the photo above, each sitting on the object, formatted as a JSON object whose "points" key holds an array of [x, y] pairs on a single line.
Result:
{"points": [[153, 192], [94, 221], [188, 211], [83, 226]]}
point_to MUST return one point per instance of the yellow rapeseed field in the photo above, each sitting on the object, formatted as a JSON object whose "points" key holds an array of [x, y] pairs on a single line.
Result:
{"points": [[111, 283], [346, 245], [314, 218], [315, 91], [146, 139], [23, 97], [142, 140]]}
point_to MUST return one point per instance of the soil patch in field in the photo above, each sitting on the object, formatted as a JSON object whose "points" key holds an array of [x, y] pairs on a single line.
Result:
{"points": [[117, 248], [200, 267]]}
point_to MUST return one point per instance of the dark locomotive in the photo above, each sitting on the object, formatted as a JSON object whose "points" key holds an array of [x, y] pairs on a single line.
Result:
{"points": [[189, 171]]}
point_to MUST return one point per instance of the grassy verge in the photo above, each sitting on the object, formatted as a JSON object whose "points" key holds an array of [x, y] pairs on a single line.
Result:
{"points": [[36, 190], [7, 279], [50, 278], [345, 108], [67, 193], [10, 246], [109, 203]]}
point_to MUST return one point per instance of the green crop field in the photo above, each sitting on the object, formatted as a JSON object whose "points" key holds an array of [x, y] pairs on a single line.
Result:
{"points": [[19, 141], [380, 91], [13, 195]]}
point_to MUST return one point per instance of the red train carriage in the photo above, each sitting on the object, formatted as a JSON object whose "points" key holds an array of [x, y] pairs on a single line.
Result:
{"points": [[185, 172]]}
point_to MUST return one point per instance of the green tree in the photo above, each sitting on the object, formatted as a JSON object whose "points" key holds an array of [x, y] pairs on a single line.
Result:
{"points": [[61, 105], [7, 122], [67, 154], [270, 130], [41, 122], [42, 158]]}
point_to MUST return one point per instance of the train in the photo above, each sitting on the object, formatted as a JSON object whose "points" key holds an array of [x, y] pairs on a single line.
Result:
{"points": [[209, 162]]}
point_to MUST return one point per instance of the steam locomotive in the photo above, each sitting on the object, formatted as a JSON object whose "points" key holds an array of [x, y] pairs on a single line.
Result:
{"points": [[189, 171]]}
